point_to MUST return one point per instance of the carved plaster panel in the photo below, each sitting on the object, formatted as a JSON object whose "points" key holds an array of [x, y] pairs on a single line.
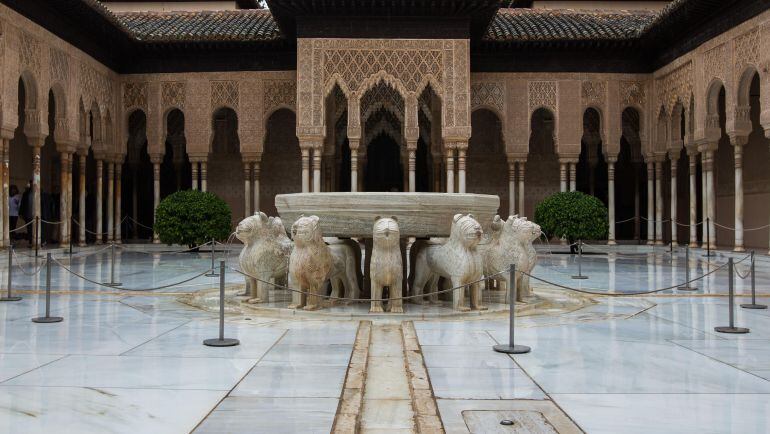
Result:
{"points": [[747, 49], [173, 94], [594, 93], [94, 85], [542, 94], [135, 95], [716, 62], [280, 93], [676, 85], [379, 96], [224, 94], [60, 71], [632, 93], [488, 94], [29, 52]]}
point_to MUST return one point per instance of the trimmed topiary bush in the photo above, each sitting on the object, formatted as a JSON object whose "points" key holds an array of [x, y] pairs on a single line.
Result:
{"points": [[192, 218], [572, 215]]}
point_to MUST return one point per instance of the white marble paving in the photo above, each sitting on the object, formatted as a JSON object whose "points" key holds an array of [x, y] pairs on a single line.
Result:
{"points": [[282, 381], [297, 355], [465, 357], [271, 416], [747, 354], [483, 383], [12, 365]]}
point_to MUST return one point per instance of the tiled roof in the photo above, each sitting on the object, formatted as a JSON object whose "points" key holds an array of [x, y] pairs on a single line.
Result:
{"points": [[230, 25], [524, 25]]}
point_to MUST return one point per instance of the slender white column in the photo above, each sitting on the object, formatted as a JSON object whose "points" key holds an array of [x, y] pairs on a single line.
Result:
{"points": [[691, 157], [738, 143], [204, 184], [194, 165], [704, 198], [511, 187], [562, 177], [256, 187], [6, 145], [658, 202], [63, 200], [247, 188], [461, 168], [674, 228], [99, 200], [572, 176], [317, 169], [36, 189], [522, 168], [611, 201], [118, 202], [354, 167], [156, 196], [412, 178], [450, 170], [650, 203], [712, 199], [110, 201], [305, 170], [82, 200], [4, 215], [70, 164]]}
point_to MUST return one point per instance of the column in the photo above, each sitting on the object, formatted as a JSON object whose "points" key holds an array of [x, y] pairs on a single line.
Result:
{"points": [[511, 187], [4, 215], [658, 202], [256, 186], [63, 239], [118, 202], [674, 159], [461, 149], [521, 166], [99, 200], [692, 159], [70, 165], [6, 145], [155, 195], [246, 188], [204, 186], [36, 188], [712, 197], [450, 169], [562, 177], [611, 200], [738, 143], [82, 200], [194, 165], [650, 203], [305, 169], [317, 168], [412, 179], [110, 201], [353, 165], [572, 176]]}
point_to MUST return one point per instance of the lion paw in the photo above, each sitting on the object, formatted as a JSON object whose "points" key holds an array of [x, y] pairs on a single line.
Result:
{"points": [[482, 308], [376, 309], [311, 307], [463, 309], [254, 300], [397, 309], [295, 306]]}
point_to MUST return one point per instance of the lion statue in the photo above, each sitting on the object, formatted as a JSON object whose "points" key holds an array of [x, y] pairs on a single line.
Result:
{"points": [[265, 254], [457, 260], [386, 266], [511, 243], [346, 266], [309, 264]]}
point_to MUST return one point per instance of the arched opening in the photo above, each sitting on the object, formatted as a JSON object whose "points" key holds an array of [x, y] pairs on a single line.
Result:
{"points": [[591, 166], [756, 178], [428, 156], [630, 181], [541, 178], [225, 165], [137, 187], [384, 171], [335, 165], [678, 129], [382, 117], [50, 181], [281, 163], [486, 164], [724, 180], [175, 170], [20, 167]]}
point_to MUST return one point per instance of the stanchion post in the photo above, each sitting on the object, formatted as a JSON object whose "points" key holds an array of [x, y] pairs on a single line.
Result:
{"points": [[37, 236], [213, 271], [221, 341], [9, 295], [512, 348], [112, 281], [47, 318], [580, 262], [753, 304], [708, 238], [731, 303], [686, 286]]}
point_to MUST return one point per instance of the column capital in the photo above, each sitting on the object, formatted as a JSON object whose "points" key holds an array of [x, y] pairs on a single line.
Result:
{"points": [[251, 156], [198, 157], [738, 139], [156, 158]]}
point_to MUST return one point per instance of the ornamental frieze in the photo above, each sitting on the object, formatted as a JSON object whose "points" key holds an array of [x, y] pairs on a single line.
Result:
{"points": [[632, 93], [280, 93], [594, 92], [135, 95], [224, 94], [542, 94], [488, 94], [716, 62], [675, 86], [29, 52], [173, 94], [60, 71], [747, 50]]}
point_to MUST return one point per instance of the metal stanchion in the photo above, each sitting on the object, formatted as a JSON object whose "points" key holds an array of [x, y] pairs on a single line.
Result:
{"points": [[731, 303], [753, 304], [709, 253], [580, 262], [686, 286], [47, 318], [512, 348], [112, 281], [213, 272], [9, 296], [37, 236], [221, 341]]}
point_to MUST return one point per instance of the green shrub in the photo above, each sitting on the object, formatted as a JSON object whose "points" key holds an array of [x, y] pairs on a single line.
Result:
{"points": [[572, 215], [192, 218]]}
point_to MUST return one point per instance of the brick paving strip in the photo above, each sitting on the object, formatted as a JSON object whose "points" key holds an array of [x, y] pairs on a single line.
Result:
{"points": [[349, 410], [423, 399]]}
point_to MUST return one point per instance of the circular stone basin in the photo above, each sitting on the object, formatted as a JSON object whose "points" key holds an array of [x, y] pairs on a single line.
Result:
{"points": [[353, 214]]}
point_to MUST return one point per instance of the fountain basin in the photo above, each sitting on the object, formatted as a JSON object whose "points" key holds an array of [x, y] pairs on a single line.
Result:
{"points": [[345, 214]]}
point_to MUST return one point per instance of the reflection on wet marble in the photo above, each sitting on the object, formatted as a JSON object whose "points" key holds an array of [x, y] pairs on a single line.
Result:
{"points": [[483, 383], [12, 365], [271, 416], [277, 380]]}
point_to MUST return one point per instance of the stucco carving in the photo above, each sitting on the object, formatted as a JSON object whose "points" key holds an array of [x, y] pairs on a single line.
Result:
{"points": [[675, 86], [265, 253], [173, 94], [632, 93], [29, 52], [488, 94], [594, 92], [94, 85], [716, 62], [59, 66], [280, 93], [458, 260], [386, 266], [135, 95], [224, 94], [747, 49], [309, 264], [511, 243], [542, 94]]}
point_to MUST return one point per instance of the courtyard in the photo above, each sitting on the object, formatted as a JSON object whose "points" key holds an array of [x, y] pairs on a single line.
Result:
{"points": [[124, 360]]}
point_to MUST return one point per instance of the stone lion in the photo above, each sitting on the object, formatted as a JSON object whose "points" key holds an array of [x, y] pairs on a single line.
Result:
{"points": [[309, 264], [457, 260], [265, 254], [511, 243], [345, 271], [386, 266]]}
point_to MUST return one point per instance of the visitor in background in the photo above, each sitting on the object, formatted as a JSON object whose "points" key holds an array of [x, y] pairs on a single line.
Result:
{"points": [[14, 201], [26, 209]]}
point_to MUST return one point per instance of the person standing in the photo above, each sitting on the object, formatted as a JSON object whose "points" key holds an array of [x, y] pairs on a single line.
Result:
{"points": [[14, 202], [27, 209]]}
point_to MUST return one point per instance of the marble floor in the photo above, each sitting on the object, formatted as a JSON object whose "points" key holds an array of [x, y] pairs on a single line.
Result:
{"points": [[133, 361]]}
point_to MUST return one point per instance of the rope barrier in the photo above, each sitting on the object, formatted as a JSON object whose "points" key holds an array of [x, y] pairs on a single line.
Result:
{"points": [[165, 252], [136, 222], [730, 228], [51, 223], [23, 271], [22, 226]]}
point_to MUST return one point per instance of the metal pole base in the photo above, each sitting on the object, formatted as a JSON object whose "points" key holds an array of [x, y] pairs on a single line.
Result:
{"points": [[516, 349], [226, 342], [732, 330], [113, 283], [745, 306], [709, 255], [10, 298], [686, 288], [212, 274], [581, 277], [47, 319]]}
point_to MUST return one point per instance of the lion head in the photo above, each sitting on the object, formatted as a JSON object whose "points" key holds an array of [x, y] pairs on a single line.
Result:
{"points": [[259, 226], [307, 230], [466, 230], [385, 231], [524, 230]]}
